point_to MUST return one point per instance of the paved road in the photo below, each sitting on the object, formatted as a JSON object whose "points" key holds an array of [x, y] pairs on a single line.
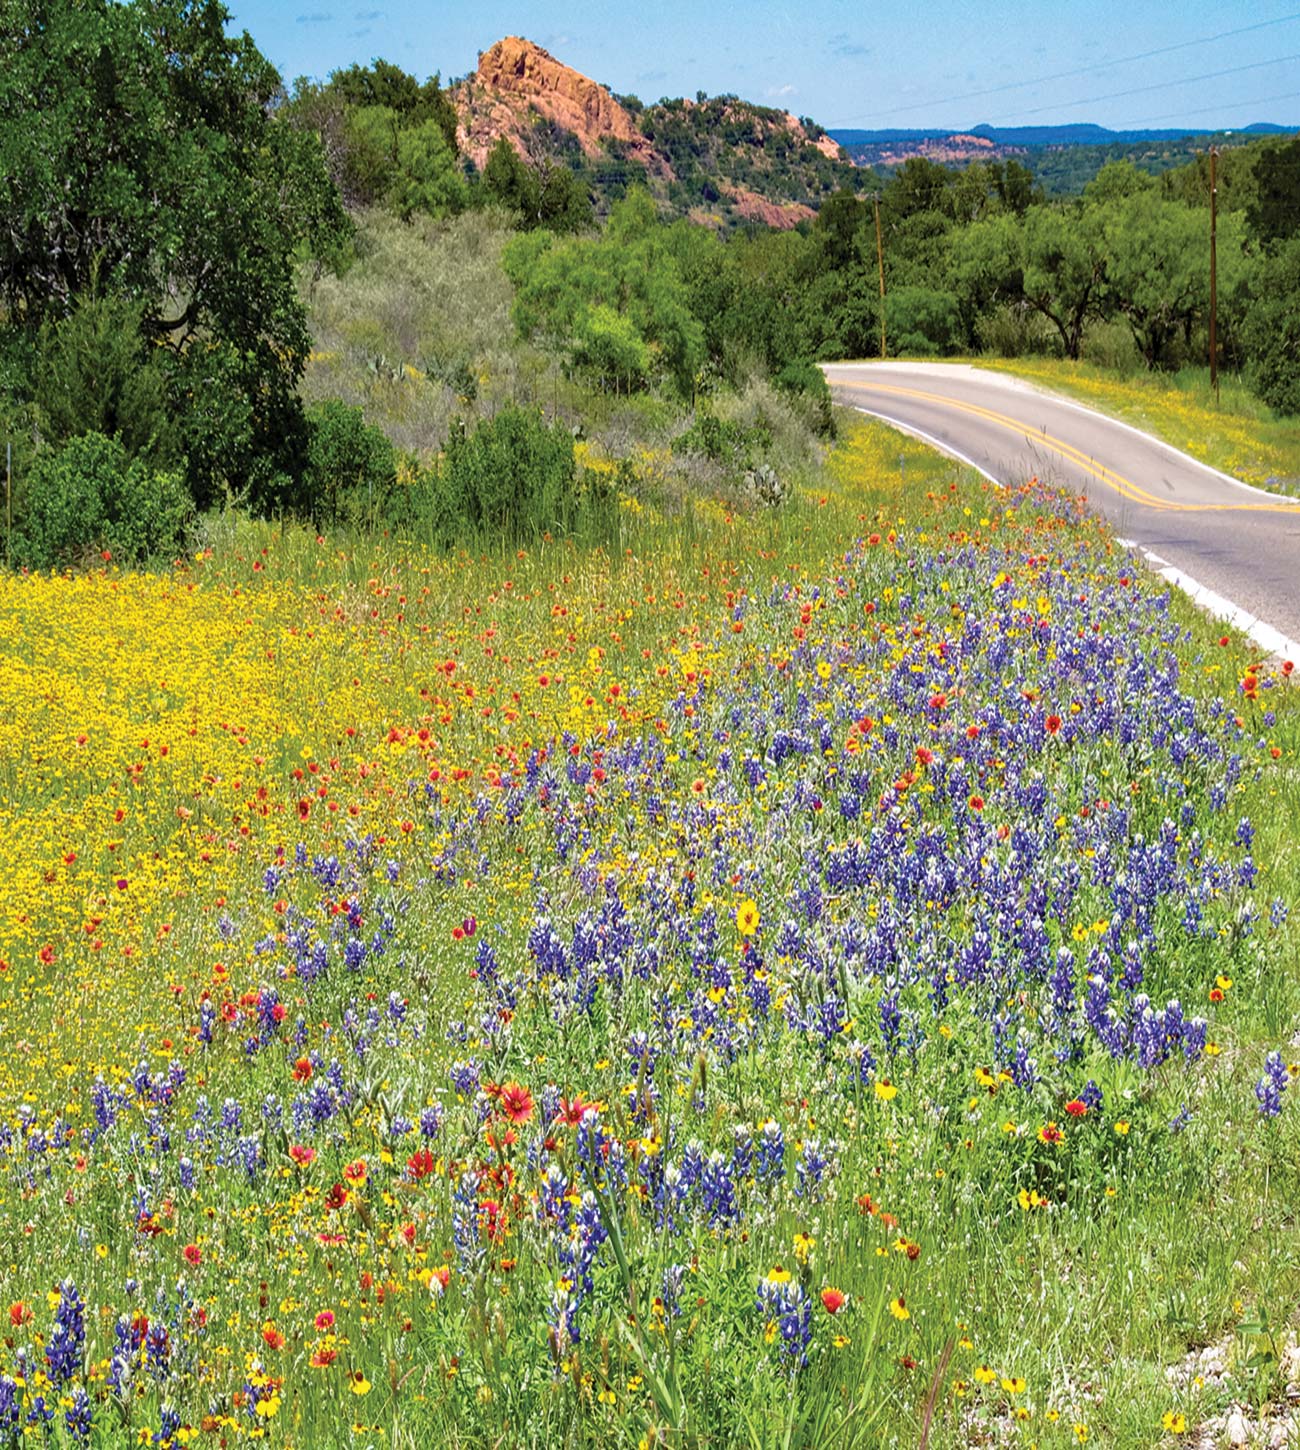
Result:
{"points": [[1237, 541]]}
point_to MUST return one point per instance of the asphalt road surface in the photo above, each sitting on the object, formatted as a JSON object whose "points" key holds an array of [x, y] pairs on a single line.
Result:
{"points": [[1196, 525]]}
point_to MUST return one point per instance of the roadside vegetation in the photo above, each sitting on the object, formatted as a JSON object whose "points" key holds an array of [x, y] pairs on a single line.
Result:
{"points": [[699, 987], [559, 891]]}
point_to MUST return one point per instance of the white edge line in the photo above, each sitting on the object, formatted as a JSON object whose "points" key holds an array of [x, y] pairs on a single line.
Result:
{"points": [[1265, 636], [931, 440], [1036, 388]]}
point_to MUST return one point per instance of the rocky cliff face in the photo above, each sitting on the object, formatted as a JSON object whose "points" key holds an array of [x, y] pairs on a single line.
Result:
{"points": [[516, 79], [723, 160]]}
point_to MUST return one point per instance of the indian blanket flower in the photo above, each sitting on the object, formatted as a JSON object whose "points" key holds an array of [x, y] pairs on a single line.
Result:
{"points": [[515, 1103]]}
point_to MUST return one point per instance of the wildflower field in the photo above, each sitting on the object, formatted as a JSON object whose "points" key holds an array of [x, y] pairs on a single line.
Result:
{"points": [[773, 978]]}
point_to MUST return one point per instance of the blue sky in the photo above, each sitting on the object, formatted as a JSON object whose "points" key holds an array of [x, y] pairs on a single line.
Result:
{"points": [[850, 64]]}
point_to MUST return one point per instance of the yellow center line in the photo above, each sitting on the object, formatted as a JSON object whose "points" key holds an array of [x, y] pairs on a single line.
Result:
{"points": [[1124, 487]]}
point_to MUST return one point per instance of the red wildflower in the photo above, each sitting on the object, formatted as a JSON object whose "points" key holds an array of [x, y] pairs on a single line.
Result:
{"points": [[271, 1336], [977, 802], [302, 1156], [19, 1313], [420, 1165], [832, 1300], [516, 1102], [1052, 724], [336, 1197], [571, 1111], [192, 1255], [302, 1069], [1076, 1108]]}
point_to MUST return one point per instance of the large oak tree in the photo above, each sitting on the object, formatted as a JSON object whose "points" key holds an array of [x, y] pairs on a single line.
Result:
{"points": [[140, 158]]}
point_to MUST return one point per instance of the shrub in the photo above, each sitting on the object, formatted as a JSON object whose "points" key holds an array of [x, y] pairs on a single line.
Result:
{"points": [[806, 380], [923, 321], [1014, 329], [351, 467], [88, 495], [514, 474], [716, 438], [1110, 345], [94, 373]]}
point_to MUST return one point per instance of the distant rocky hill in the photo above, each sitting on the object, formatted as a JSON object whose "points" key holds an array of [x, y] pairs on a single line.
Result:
{"points": [[716, 159], [1063, 158], [954, 150]]}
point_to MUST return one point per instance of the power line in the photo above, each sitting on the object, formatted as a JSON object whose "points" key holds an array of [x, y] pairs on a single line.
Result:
{"points": [[1081, 70], [1221, 107], [1142, 90]]}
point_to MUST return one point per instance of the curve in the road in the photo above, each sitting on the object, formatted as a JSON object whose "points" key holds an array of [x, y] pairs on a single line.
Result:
{"points": [[1224, 538], [1124, 487]]}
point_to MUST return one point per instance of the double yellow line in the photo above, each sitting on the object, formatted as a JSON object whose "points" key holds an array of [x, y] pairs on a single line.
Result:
{"points": [[1124, 487]]}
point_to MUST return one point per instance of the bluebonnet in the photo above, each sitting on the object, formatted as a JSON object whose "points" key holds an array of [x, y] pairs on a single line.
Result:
{"points": [[1270, 1087]]}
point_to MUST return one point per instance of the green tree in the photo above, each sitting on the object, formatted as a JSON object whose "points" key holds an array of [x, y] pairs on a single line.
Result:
{"points": [[923, 320], [1015, 186], [919, 185], [608, 345], [986, 267], [1116, 181], [369, 168], [1158, 269], [630, 270], [382, 83], [427, 178], [1274, 212], [1063, 266], [1271, 332], [563, 202], [138, 148], [508, 181], [839, 221]]}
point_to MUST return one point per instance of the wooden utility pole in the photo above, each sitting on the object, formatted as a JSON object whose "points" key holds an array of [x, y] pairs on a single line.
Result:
{"points": [[880, 262], [1214, 280]]}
